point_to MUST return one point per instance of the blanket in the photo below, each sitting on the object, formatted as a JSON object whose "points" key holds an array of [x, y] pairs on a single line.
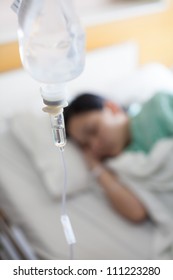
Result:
{"points": [[150, 177]]}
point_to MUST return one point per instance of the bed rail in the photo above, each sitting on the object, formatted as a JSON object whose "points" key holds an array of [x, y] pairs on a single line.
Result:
{"points": [[13, 243]]}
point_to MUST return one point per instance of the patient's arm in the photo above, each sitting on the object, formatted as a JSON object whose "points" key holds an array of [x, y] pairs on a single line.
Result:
{"points": [[122, 199]]}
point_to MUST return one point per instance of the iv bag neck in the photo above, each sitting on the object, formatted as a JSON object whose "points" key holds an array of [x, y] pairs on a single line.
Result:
{"points": [[54, 94]]}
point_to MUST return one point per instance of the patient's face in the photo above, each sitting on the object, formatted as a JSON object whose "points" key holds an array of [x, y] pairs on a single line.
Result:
{"points": [[104, 132]]}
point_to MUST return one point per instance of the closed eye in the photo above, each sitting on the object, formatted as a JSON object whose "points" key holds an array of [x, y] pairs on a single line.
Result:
{"points": [[92, 131]]}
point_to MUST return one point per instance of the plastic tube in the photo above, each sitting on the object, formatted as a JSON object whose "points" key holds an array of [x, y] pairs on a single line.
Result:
{"points": [[67, 227]]}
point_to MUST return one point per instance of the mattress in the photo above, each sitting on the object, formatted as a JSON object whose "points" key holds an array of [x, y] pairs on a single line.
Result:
{"points": [[101, 233]]}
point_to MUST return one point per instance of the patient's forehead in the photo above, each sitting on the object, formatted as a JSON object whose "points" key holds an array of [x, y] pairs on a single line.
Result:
{"points": [[85, 116], [79, 123]]}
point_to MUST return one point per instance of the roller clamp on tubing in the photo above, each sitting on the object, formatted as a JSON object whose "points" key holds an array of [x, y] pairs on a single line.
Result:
{"points": [[68, 230]]}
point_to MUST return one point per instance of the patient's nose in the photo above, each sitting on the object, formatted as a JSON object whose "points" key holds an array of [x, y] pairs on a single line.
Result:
{"points": [[96, 145]]}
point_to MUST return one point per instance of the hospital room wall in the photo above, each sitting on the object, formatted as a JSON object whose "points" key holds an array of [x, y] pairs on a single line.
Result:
{"points": [[152, 32]]}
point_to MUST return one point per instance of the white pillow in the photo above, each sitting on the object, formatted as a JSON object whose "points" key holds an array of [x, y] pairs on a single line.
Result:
{"points": [[104, 66], [141, 84], [35, 136]]}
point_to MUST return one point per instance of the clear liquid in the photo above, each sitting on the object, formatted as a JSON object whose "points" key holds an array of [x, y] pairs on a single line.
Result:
{"points": [[59, 136], [51, 40], [53, 59]]}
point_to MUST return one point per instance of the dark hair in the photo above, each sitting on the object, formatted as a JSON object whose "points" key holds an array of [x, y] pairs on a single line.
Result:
{"points": [[83, 103]]}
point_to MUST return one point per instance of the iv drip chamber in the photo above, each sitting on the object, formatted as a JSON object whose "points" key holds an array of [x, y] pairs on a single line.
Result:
{"points": [[58, 129]]}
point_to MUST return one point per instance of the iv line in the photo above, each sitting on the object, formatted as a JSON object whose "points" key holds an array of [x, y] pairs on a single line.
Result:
{"points": [[64, 192], [64, 217], [58, 132]]}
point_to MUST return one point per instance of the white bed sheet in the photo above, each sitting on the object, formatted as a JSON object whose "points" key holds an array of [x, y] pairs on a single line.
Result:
{"points": [[100, 232]]}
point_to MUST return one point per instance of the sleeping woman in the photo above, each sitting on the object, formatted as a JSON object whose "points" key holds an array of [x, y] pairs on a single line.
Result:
{"points": [[102, 130]]}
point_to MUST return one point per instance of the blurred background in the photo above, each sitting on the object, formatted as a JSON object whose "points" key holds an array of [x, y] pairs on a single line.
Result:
{"points": [[129, 56], [148, 22]]}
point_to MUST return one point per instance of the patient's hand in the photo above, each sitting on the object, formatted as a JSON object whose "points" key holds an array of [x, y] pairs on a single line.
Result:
{"points": [[91, 159]]}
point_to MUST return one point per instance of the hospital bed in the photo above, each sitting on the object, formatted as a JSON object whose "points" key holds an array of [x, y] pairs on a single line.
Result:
{"points": [[27, 194]]}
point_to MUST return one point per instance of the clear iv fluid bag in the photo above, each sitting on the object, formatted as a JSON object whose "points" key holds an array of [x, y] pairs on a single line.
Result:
{"points": [[51, 40]]}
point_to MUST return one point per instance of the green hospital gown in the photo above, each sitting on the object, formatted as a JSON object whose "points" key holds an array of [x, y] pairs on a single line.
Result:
{"points": [[153, 123]]}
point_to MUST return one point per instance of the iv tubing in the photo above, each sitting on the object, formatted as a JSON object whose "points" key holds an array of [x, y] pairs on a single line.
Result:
{"points": [[64, 192], [63, 205], [60, 141]]}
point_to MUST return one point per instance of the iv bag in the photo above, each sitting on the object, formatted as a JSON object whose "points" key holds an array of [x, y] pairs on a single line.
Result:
{"points": [[51, 40]]}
